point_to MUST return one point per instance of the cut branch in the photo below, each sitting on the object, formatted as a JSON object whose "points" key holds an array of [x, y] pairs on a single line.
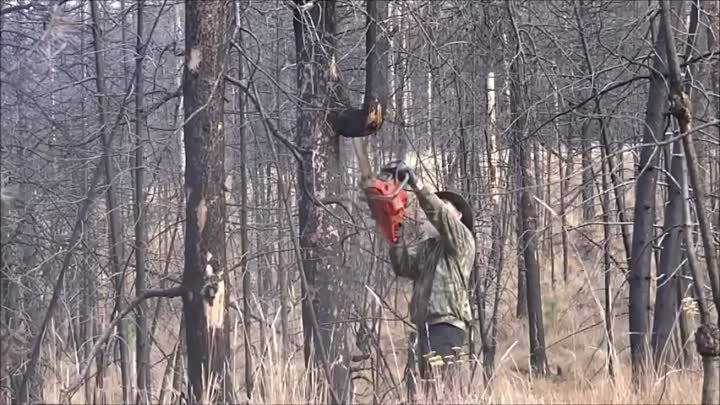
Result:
{"points": [[353, 122]]}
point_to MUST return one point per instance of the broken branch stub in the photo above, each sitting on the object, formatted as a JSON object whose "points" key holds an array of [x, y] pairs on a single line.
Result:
{"points": [[353, 122], [707, 340]]}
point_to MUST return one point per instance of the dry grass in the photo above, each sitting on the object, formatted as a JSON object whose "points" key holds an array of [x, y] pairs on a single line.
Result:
{"points": [[574, 329], [574, 335]]}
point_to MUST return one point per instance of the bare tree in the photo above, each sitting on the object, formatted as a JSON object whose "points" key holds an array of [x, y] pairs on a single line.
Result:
{"points": [[707, 337], [644, 215], [667, 309], [203, 276], [575, 123], [144, 383], [117, 255], [527, 211], [314, 26]]}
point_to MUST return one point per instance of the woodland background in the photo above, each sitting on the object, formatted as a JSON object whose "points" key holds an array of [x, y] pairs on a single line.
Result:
{"points": [[140, 135]]}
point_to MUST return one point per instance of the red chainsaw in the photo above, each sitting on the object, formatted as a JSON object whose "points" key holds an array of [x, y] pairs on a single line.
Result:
{"points": [[385, 194]]}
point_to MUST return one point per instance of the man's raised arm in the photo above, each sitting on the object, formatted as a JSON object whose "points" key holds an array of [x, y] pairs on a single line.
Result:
{"points": [[450, 228]]}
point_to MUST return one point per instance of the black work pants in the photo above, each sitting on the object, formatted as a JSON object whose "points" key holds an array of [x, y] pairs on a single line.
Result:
{"points": [[437, 340]]}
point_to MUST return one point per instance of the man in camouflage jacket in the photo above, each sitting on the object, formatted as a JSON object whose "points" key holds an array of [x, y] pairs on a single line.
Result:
{"points": [[440, 268]]}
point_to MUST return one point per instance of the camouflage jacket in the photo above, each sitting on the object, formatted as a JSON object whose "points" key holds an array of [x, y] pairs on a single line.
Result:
{"points": [[439, 267]]}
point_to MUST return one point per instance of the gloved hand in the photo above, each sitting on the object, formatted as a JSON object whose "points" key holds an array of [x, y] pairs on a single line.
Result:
{"points": [[401, 171]]}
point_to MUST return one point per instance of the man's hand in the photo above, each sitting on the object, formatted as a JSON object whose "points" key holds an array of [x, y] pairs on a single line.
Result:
{"points": [[401, 171]]}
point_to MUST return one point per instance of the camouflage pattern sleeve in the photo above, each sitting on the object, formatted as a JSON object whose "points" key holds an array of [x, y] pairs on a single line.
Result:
{"points": [[452, 230], [404, 260]]}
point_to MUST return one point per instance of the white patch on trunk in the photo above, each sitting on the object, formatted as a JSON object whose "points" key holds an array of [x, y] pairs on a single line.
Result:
{"points": [[214, 294], [201, 215], [333, 68], [209, 271], [307, 6], [195, 58], [214, 313]]}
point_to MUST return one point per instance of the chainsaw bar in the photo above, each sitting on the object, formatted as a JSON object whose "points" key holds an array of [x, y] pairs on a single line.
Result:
{"points": [[360, 147]]}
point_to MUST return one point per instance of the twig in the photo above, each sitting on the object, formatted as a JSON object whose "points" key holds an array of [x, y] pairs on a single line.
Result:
{"points": [[296, 150], [167, 293]]}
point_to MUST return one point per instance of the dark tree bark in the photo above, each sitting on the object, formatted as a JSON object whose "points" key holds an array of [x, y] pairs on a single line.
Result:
{"points": [[352, 122], [242, 188], [144, 382], [117, 255], [564, 188], [283, 273], [607, 270], [322, 289], [203, 276], [644, 216], [324, 115], [588, 175], [526, 209], [665, 347], [707, 337]]}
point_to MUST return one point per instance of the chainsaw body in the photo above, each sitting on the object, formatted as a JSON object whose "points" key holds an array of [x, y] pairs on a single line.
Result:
{"points": [[387, 204]]}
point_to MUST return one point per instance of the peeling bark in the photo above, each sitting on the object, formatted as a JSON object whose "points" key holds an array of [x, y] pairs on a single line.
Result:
{"points": [[203, 276]]}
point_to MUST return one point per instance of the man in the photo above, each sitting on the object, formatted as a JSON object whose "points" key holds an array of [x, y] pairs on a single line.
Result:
{"points": [[440, 267]]}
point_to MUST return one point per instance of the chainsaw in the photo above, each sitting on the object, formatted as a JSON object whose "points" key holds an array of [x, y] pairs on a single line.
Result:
{"points": [[385, 194]]}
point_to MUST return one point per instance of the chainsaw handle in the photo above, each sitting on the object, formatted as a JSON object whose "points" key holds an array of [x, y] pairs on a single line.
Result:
{"points": [[397, 191], [393, 172]]}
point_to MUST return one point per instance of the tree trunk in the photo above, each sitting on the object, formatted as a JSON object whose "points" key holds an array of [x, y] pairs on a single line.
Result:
{"points": [[564, 203], [320, 175], [88, 304], [685, 359], [588, 175], [244, 236], [262, 269], [549, 220], [707, 337], [115, 234], [666, 309], [607, 270], [178, 380], [562, 214], [283, 273], [203, 275], [644, 216], [526, 211], [527, 241], [144, 387]]}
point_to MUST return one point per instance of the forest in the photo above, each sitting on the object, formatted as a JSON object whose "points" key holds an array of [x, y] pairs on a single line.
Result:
{"points": [[184, 217]]}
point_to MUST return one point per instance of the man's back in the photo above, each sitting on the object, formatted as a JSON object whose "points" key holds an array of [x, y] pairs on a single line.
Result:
{"points": [[440, 292]]}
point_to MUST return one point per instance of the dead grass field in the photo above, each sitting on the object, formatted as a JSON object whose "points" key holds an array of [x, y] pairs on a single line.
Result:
{"points": [[575, 338]]}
